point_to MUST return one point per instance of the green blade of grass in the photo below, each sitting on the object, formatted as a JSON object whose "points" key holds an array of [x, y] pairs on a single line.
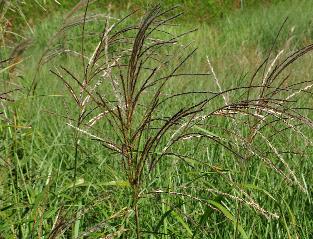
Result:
{"points": [[228, 214], [182, 222]]}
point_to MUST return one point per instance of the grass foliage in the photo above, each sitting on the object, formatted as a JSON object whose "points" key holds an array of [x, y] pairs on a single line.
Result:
{"points": [[137, 127]]}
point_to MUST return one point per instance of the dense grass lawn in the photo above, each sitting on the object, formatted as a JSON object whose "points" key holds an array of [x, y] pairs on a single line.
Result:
{"points": [[77, 156]]}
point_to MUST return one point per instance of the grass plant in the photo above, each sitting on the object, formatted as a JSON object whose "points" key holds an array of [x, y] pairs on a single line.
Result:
{"points": [[127, 128]]}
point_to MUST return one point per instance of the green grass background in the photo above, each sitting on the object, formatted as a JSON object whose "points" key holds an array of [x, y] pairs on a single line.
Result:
{"points": [[36, 179]]}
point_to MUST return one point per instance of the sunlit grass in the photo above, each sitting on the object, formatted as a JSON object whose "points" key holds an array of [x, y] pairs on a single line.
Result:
{"points": [[37, 181]]}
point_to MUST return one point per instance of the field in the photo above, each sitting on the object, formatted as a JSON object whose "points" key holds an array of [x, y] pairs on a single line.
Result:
{"points": [[156, 125]]}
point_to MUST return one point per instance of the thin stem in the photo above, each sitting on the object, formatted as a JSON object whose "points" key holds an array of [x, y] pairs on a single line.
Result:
{"points": [[137, 221], [136, 209]]}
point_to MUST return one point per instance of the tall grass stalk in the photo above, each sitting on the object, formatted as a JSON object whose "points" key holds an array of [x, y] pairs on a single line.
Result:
{"points": [[150, 147], [123, 85]]}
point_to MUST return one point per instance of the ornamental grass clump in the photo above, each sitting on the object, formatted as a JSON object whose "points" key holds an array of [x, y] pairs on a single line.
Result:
{"points": [[120, 91]]}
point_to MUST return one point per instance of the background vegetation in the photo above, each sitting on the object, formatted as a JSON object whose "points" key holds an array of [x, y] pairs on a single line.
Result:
{"points": [[46, 191], [197, 10]]}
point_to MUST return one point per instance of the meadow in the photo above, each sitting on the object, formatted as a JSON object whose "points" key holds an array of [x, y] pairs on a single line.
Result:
{"points": [[149, 123]]}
